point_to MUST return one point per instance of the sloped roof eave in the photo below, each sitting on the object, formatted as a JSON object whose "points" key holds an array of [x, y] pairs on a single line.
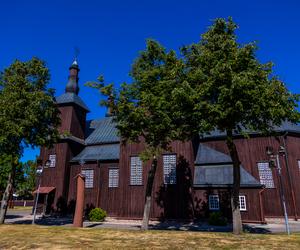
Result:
{"points": [[208, 185], [71, 98], [222, 176], [284, 127], [98, 153]]}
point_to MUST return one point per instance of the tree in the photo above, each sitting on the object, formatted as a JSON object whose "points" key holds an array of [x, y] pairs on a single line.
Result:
{"points": [[4, 172], [144, 109], [28, 114], [233, 92], [217, 84], [26, 180]]}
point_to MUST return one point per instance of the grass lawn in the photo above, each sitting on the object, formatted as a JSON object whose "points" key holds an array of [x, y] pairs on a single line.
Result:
{"points": [[19, 208], [42, 237]]}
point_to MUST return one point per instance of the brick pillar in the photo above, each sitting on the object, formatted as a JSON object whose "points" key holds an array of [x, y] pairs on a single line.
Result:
{"points": [[78, 217]]}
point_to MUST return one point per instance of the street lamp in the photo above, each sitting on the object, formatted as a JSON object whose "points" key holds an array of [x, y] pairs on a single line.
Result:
{"points": [[275, 163], [39, 172]]}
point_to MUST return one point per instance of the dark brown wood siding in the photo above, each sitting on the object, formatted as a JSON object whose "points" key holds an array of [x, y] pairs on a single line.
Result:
{"points": [[109, 197], [169, 201], [73, 119], [293, 149], [254, 212], [253, 150], [58, 176], [91, 194], [73, 122]]}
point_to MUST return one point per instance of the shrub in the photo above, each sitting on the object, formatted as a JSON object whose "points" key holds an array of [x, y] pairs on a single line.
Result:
{"points": [[97, 214], [216, 219]]}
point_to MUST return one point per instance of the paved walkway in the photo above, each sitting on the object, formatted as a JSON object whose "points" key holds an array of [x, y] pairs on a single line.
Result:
{"points": [[273, 226]]}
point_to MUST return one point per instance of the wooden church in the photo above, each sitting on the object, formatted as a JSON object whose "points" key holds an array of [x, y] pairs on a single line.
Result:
{"points": [[191, 181]]}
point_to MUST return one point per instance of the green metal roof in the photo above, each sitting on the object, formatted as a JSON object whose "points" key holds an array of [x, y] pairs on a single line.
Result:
{"points": [[284, 127], [208, 155], [214, 169], [67, 98], [221, 176], [104, 131], [99, 152]]}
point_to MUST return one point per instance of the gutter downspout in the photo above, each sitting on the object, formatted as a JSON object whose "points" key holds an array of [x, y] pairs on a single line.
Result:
{"points": [[262, 214], [289, 175]]}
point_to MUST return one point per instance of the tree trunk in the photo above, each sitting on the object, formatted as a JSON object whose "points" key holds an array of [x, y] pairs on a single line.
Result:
{"points": [[236, 214], [7, 192], [148, 195]]}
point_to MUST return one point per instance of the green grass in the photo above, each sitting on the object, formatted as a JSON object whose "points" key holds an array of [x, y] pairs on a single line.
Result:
{"points": [[19, 208], [42, 237]]}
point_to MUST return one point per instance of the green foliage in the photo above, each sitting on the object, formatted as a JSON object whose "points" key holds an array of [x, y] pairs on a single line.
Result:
{"points": [[28, 117], [5, 168], [218, 83], [146, 108], [25, 185], [28, 114], [216, 219], [234, 92], [232, 89], [24, 182], [97, 214]]}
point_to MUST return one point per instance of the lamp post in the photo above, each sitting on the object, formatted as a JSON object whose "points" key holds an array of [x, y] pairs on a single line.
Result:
{"points": [[275, 163], [39, 172]]}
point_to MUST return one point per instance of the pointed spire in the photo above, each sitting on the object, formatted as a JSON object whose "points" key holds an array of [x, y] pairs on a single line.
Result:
{"points": [[72, 85]]}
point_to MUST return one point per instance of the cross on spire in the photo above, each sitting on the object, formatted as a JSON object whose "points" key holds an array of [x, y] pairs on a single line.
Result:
{"points": [[76, 53]]}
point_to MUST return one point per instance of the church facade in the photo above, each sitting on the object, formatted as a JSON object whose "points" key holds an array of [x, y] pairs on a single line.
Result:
{"points": [[192, 181]]}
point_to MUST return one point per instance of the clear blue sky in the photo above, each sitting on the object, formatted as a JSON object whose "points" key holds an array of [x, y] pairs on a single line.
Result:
{"points": [[111, 33]]}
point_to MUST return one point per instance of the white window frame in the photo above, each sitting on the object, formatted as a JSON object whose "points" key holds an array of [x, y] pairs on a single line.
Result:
{"points": [[113, 177], [213, 202], [265, 174], [242, 203], [298, 164], [89, 177], [136, 171], [169, 168], [52, 159]]}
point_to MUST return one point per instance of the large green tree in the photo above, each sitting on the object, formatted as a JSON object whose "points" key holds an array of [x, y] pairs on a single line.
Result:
{"points": [[28, 114], [144, 109], [24, 182], [234, 93], [217, 84]]}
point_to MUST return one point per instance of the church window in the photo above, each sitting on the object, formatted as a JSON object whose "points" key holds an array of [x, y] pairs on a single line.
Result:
{"points": [[113, 177], [169, 162], [213, 202], [242, 199], [52, 159], [89, 177], [265, 174], [136, 171]]}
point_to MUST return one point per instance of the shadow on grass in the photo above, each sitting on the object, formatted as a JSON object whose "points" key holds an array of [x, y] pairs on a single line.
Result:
{"points": [[13, 216], [166, 225], [204, 227], [49, 221]]}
